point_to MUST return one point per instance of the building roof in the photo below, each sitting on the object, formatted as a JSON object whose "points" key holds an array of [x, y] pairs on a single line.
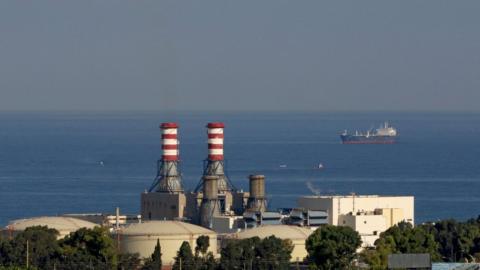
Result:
{"points": [[407, 261], [356, 196], [280, 231], [61, 224], [165, 227]]}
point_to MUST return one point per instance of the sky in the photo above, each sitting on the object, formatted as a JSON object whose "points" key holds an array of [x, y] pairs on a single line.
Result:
{"points": [[267, 55]]}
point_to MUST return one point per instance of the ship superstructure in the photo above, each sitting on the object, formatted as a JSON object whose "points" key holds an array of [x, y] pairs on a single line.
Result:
{"points": [[386, 134]]}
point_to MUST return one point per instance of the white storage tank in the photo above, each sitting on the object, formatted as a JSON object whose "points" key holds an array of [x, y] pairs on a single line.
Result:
{"points": [[296, 234], [64, 225], [141, 238]]}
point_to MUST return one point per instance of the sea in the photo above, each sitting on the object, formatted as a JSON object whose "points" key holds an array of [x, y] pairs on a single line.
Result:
{"points": [[52, 163]]}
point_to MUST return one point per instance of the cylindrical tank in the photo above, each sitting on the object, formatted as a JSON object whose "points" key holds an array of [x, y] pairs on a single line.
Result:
{"points": [[210, 187], [298, 236], [169, 141], [141, 238], [210, 205], [64, 225], [256, 200], [215, 141], [257, 186]]}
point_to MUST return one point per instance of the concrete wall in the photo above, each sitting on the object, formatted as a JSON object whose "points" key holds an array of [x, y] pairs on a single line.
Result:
{"points": [[368, 226], [299, 251], [227, 224], [159, 206]]}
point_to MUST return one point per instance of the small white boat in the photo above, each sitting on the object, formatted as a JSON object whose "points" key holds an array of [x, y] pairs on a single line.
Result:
{"points": [[283, 165], [320, 166]]}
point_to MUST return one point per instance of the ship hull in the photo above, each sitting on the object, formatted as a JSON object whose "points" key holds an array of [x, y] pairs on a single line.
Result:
{"points": [[354, 139]]}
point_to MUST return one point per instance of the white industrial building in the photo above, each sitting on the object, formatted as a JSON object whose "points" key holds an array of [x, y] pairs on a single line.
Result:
{"points": [[369, 215]]}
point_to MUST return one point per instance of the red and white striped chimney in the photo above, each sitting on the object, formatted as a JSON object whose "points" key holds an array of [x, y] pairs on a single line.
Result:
{"points": [[169, 141], [215, 141]]}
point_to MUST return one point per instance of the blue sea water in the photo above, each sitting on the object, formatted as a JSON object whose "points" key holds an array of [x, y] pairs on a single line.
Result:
{"points": [[50, 163]]}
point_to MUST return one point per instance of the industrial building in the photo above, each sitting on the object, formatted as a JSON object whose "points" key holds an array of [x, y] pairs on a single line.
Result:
{"points": [[165, 199], [64, 225], [141, 238], [369, 215], [215, 202]]}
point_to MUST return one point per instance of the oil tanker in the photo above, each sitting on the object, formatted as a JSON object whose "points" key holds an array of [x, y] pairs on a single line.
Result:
{"points": [[386, 134]]}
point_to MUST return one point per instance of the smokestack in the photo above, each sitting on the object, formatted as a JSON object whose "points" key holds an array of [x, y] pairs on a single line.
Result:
{"points": [[169, 141], [256, 200], [215, 163], [215, 141], [168, 178], [210, 205]]}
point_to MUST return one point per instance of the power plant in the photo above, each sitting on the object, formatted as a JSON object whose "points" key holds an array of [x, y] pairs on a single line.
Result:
{"points": [[172, 213], [215, 203], [215, 196]]}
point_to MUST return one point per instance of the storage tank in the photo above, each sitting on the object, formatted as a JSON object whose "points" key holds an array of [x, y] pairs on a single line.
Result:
{"points": [[256, 200], [64, 225], [141, 238], [210, 205], [296, 234]]}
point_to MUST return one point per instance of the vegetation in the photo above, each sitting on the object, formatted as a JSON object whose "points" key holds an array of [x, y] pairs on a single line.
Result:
{"points": [[332, 247], [329, 247], [256, 254], [155, 261], [127, 261], [458, 241], [204, 259], [184, 259], [89, 247], [43, 249], [446, 240], [85, 248], [402, 238]]}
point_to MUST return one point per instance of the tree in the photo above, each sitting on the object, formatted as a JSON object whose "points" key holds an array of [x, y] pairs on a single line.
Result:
{"points": [[43, 249], [333, 247], [127, 261], [155, 261], [204, 259], [458, 241], [256, 254], [185, 258], [232, 256], [203, 242], [401, 238], [274, 253], [89, 247]]}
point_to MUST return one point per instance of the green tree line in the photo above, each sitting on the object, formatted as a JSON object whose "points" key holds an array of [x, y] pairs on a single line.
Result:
{"points": [[445, 241], [38, 248], [328, 248]]}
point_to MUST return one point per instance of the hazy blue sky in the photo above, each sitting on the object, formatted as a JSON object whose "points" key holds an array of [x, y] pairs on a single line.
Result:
{"points": [[239, 55]]}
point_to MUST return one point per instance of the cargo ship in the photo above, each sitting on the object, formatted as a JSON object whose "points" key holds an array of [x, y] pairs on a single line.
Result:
{"points": [[386, 134]]}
